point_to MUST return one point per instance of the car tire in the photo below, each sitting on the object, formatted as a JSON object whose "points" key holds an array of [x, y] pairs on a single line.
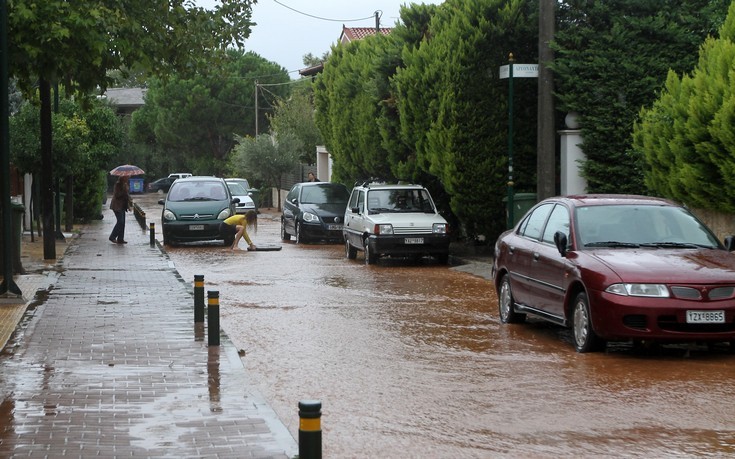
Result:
{"points": [[229, 241], [585, 338], [506, 310], [284, 234], [350, 252], [299, 238], [442, 258], [370, 257]]}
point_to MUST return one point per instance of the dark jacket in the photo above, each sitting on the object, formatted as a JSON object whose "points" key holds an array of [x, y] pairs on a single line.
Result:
{"points": [[120, 196]]}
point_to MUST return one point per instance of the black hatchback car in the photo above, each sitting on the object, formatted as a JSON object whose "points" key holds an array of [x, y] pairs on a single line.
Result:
{"points": [[314, 211], [161, 185]]}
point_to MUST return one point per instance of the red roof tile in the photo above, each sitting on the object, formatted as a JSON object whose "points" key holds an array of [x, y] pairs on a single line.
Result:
{"points": [[358, 33]]}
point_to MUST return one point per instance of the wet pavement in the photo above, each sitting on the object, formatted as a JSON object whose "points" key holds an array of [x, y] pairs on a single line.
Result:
{"points": [[106, 361], [409, 360]]}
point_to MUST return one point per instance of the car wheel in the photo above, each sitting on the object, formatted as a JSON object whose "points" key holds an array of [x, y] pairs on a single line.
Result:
{"points": [[229, 241], [284, 234], [370, 257], [299, 237], [350, 252], [585, 338], [442, 258], [505, 304]]}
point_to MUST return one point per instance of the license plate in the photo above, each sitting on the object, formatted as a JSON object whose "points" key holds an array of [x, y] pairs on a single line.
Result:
{"points": [[413, 240], [196, 227], [705, 317], [334, 227]]}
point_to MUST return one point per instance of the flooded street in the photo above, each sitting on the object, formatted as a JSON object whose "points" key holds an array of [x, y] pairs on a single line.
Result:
{"points": [[410, 360]]}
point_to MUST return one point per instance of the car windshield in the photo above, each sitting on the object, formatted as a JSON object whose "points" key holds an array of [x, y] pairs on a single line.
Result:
{"points": [[641, 226], [197, 191], [236, 189], [325, 193], [399, 200], [242, 182]]}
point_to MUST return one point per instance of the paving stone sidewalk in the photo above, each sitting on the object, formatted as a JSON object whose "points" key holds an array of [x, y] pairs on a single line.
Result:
{"points": [[109, 363]]}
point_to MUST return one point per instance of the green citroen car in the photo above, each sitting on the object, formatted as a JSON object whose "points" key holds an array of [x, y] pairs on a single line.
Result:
{"points": [[194, 208]]}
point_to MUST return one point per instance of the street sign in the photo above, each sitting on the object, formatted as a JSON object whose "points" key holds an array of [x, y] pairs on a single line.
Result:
{"points": [[520, 71]]}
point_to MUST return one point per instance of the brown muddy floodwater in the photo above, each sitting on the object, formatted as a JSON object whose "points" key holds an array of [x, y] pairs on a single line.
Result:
{"points": [[410, 360]]}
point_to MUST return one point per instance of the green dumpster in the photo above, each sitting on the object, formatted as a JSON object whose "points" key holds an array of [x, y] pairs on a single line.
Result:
{"points": [[522, 203]]}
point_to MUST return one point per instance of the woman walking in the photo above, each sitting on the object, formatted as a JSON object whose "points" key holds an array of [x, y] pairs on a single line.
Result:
{"points": [[120, 204]]}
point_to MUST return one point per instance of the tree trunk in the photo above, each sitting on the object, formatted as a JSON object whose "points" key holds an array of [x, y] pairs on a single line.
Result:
{"points": [[47, 176]]}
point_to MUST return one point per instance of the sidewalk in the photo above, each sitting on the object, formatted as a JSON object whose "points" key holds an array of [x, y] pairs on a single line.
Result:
{"points": [[106, 361]]}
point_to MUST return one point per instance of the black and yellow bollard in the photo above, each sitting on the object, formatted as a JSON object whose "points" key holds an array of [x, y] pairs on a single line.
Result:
{"points": [[310, 429], [152, 227], [198, 298], [213, 318]]}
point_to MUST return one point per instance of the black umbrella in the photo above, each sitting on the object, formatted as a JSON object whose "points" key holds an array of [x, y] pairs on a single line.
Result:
{"points": [[127, 170]]}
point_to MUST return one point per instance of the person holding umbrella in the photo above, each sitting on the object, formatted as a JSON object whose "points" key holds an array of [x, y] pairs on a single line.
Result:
{"points": [[121, 202]]}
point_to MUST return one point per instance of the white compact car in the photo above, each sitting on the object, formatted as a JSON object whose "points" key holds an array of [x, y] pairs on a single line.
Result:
{"points": [[394, 220]]}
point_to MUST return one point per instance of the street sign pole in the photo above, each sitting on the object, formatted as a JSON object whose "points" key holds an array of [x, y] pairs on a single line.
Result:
{"points": [[506, 71], [510, 140]]}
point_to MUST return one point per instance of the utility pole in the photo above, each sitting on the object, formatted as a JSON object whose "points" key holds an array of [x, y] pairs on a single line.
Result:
{"points": [[546, 134], [256, 108], [377, 23]]}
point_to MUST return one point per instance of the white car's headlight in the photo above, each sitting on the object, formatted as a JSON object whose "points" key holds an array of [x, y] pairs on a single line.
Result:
{"points": [[384, 228], [647, 290], [309, 217], [224, 214], [168, 215], [439, 228]]}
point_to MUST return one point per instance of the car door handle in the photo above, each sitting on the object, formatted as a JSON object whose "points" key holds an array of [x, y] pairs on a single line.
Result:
{"points": [[536, 256]]}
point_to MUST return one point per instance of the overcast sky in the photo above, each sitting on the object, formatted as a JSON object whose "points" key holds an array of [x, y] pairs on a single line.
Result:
{"points": [[286, 30]]}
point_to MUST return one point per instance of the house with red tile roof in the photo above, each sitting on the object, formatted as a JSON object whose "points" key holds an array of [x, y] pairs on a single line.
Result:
{"points": [[349, 34], [358, 33]]}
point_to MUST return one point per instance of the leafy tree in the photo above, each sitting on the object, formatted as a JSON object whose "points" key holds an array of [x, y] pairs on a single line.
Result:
{"points": [[295, 116], [687, 137], [311, 60], [192, 119], [15, 97], [265, 158], [611, 59], [465, 144], [347, 107], [437, 105], [86, 135], [76, 43]]}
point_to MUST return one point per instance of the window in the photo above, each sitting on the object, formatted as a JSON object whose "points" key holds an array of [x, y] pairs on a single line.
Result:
{"points": [[534, 223], [558, 221]]}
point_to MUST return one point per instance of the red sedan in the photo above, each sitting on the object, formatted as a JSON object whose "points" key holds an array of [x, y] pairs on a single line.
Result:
{"points": [[617, 268]]}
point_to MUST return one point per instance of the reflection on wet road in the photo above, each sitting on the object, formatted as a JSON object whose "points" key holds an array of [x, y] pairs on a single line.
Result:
{"points": [[410, 360]]}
